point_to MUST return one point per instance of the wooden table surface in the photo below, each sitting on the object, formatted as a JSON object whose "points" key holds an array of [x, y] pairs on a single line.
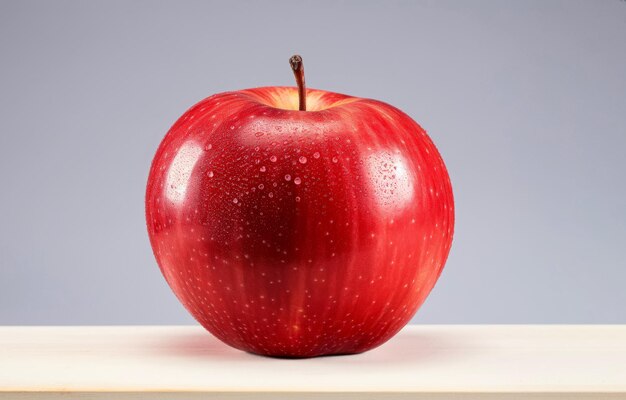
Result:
{"points": [[421, 362]]}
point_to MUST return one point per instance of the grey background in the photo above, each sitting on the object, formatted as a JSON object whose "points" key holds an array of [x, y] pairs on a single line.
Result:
{"points": [[526, 101]]}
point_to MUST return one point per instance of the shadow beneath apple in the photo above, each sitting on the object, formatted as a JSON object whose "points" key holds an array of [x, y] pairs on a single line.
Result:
{"points": [[199, 344], [416, 348]]}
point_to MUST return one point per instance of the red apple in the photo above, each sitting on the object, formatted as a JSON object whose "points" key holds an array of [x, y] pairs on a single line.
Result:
{"points": [[299, 233]]}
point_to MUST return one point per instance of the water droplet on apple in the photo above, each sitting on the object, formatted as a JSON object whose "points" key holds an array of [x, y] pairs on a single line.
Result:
{"points": [[273, 158], [335, 160], [297, 181], [209, 146], [297, 199], [261, 186], [210, 174], [302, 160], [270, 194], [316, 155], [263, 169], [287, 177], [235, 200]]}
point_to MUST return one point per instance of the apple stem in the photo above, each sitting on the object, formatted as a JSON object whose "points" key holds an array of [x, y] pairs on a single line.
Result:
{"points": [[298, 71]]}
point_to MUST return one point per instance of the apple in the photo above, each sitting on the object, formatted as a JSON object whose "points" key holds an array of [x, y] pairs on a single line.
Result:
{"points": [[295, 222]]}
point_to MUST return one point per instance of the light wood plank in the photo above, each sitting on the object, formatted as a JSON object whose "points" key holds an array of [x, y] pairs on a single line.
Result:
{"points": [[423, 362]]}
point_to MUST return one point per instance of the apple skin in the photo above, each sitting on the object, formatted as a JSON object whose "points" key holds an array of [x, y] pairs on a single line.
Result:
{"points": [[299, 233]]}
